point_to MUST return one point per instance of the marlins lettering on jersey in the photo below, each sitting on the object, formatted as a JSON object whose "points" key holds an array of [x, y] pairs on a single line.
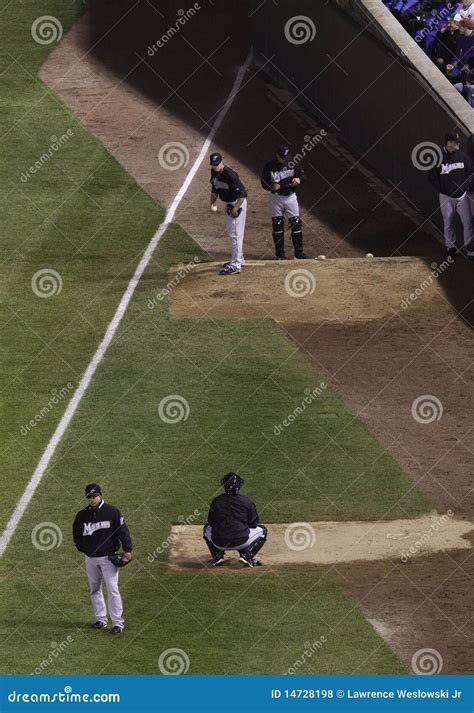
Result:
{"points": [[90, 527], [279, 176], [448, 167]]}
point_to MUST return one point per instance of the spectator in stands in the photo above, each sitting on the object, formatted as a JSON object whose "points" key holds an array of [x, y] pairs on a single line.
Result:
{"points": [[443, 20], [444, 45], [465, 10], [445, 31], [460, 66]]}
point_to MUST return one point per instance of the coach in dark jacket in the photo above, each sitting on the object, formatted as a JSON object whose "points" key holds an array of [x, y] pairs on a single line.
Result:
{"points": [[98, 531], [233, 524], [452, 179]]}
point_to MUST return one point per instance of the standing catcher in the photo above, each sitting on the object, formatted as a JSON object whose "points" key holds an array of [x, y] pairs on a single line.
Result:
{"points": [[227, 186], [452, 178], [233, 525], [97, 532], [280, 177]]}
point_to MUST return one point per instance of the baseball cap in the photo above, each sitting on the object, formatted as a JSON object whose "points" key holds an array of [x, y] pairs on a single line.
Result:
{"points": [[215, 159], [283, 151], [92, 490], [452, 136]]}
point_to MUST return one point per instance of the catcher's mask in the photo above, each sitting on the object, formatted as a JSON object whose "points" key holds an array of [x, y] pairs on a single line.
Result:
{"points": [[232, 482]]}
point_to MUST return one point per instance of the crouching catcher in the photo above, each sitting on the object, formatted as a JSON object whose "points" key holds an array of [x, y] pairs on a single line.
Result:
{"points": [[233, 524]]}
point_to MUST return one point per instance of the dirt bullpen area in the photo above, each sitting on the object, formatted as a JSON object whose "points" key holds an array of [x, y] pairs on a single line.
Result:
{"points": [[308, 544], [343, 290]]}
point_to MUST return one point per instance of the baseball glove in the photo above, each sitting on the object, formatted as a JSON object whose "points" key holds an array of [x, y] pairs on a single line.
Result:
{"points": [[229, 207], [121, 559]]}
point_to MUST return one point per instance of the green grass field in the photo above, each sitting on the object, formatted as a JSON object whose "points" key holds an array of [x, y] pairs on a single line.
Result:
{"points": [[82, 216]]}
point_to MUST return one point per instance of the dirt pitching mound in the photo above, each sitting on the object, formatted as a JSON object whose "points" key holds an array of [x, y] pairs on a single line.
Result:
{"points": [[342, 289], [329, 543]]}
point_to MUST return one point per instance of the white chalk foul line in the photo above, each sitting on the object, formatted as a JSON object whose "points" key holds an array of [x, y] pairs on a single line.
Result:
{"points": [[35, 480]]}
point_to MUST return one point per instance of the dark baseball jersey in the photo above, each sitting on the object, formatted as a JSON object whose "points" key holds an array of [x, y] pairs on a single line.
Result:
{"points": [[453, 175], [231, 517], [282, 173], [99, 531], [227, 185]]}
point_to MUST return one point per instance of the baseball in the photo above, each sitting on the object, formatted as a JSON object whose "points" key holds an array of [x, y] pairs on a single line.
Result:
{"points": [[214, 208], [369, 255], [321, 257]]}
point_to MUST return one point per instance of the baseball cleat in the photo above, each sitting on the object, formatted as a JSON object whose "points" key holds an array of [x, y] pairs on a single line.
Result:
{"points": [[116, 630], [249, 561], [216, 561], [229, 270], [301, 256], [99, 625], [227, 264]]}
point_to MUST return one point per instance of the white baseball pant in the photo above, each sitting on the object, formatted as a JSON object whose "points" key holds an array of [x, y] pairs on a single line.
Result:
{"points": [[235, 230], [286, 206], [98, 568], [449, 207], [254, 534]]}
